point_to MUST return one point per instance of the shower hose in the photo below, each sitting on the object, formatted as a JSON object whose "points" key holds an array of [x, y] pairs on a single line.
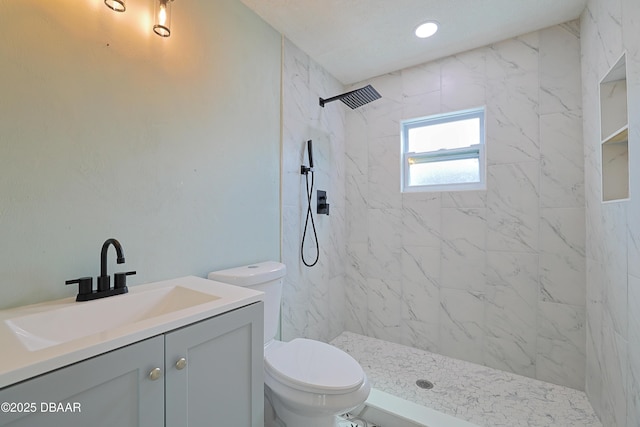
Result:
{"points": [[306, 223]]}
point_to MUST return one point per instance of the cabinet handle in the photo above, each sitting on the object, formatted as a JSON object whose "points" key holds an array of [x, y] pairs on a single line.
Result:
{"points": [[155, 374], [181, 364]]}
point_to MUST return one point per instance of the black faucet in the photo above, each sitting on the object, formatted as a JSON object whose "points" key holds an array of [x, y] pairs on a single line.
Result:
{"points": [[104, 280], [86, 291]]}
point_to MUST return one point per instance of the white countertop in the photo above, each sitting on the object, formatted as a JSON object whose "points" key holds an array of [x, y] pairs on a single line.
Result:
{"points": [[18, 362]]}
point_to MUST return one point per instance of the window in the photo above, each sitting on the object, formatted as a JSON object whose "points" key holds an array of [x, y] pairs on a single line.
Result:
{"points": [[444, 152]]}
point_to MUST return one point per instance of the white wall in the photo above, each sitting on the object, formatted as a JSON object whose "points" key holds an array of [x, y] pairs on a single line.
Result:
{"points": [[313, 301], [495, 277], [608, 28], [106, 130]]}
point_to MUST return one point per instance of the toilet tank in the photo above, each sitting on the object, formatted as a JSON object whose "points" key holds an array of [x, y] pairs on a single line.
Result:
{"points": [[266, 277]]}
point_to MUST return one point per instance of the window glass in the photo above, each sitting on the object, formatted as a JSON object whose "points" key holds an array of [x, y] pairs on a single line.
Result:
{"points": [[449, 172], [447, 135]]}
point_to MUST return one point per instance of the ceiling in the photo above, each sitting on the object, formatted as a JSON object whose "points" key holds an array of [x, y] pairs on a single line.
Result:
{"points": [[358, 39]]}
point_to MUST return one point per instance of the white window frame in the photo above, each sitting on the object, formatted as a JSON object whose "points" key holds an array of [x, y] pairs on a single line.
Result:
{"points": [[472, 152]]}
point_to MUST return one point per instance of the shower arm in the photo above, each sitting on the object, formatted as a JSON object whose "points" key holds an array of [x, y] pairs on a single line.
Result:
{"points": [[337, 97]]}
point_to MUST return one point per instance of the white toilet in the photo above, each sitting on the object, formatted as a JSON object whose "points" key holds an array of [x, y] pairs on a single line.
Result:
{"points": [[307, 383]]}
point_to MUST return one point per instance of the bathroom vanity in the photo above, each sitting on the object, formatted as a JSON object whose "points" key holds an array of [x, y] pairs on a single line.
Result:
{"points": [[191, 352]]}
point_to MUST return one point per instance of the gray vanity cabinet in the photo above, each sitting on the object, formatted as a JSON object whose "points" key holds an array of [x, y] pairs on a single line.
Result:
{"points": [[209, 374], [221, 381], [109, 390]]}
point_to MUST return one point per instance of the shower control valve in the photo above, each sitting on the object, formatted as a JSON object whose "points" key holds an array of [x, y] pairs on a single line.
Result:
{"points": [[323, 206]]}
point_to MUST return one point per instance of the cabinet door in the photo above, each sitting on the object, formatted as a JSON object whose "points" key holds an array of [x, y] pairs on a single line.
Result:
{"points": [[221, 384], [109, 390]]}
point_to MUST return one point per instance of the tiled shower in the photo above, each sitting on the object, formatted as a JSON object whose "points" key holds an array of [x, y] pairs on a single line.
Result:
{"points": [[530, 276], [495, 277]]}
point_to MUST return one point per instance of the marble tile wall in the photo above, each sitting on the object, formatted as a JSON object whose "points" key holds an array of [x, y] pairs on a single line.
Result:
{"points": [[495, 277], [313, 299], [609, 28]]}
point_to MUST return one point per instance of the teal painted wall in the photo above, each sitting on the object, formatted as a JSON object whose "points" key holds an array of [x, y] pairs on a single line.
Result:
{"points": [[170, 145]]}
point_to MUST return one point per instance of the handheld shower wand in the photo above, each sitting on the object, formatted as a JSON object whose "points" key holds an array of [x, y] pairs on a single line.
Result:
{"points": [[304, 170], [310, 152]]}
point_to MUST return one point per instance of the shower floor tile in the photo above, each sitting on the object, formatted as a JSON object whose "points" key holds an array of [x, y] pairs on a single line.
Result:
{"points": [[478, 394]]}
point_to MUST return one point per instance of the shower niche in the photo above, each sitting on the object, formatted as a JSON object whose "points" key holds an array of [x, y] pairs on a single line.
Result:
{"points": [[614, 133]]}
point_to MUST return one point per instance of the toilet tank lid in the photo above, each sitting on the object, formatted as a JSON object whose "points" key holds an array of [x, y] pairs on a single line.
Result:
{"points": [[249, 275]]}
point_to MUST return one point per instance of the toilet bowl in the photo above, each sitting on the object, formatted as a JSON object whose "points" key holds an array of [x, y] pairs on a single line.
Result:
{"points": [[307, 382]]}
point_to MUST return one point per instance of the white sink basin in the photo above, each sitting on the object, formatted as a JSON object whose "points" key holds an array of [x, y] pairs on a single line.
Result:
{"points": [[42, 330]]}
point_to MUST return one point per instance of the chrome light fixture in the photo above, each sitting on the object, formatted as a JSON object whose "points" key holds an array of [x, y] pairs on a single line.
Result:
{"points": [[162, 14], [117, 5]]}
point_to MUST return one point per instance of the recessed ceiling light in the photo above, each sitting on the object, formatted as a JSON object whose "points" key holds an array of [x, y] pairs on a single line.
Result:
{"points": [[427, 29]]}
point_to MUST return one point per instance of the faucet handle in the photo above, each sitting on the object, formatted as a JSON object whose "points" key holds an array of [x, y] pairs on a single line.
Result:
{"points": [[85, 285], [120, 279]]}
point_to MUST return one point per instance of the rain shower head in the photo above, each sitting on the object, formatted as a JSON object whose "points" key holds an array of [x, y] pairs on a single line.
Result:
{"points": [[355, 98]]}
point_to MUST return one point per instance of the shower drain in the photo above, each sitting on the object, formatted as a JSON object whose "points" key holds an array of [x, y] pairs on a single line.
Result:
{"points": [[425, 384]]}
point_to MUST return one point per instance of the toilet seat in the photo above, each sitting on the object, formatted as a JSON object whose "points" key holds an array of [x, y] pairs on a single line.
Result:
{"points": [[314, 367]]}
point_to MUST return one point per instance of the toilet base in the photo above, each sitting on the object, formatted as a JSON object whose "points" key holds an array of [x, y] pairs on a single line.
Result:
{"points": [[277, 415], [294, 420]]}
